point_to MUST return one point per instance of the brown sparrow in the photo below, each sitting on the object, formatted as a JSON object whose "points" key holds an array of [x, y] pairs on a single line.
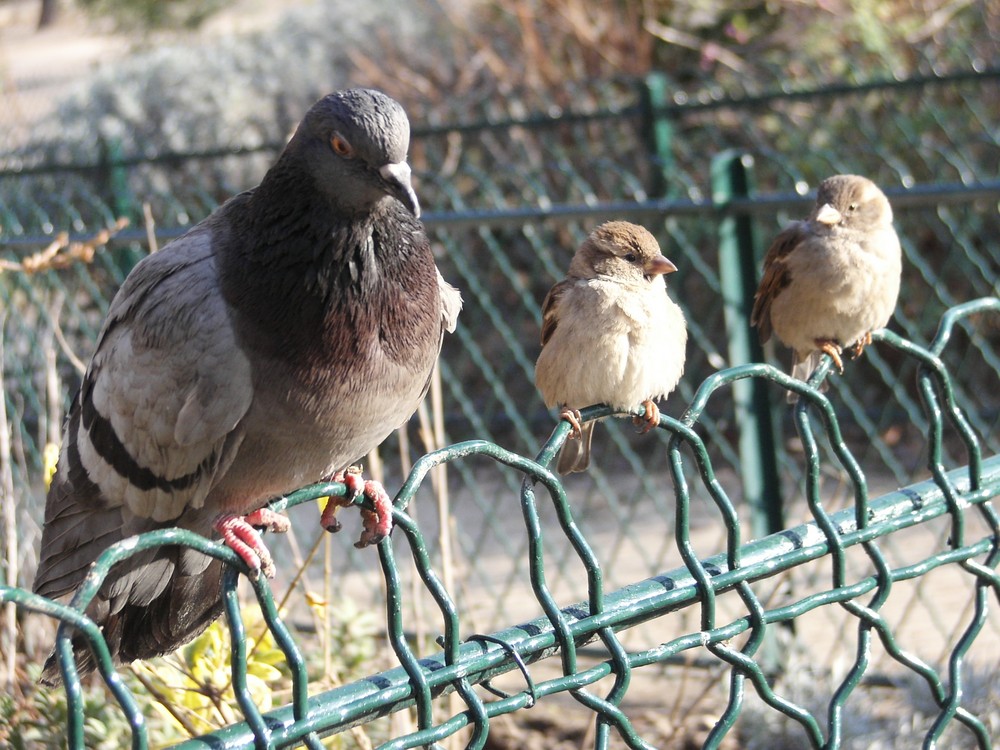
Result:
{"points": [[830, 280], [610, 333]]}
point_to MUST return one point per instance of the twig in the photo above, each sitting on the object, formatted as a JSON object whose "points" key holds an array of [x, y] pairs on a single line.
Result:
{"points": [[164, 701], [61, 253], [432, 431], [690, 41], [9, 643], [147, 216]]}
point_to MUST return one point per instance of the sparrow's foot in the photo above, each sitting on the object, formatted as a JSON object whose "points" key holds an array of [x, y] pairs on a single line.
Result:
{"points": [[239, 534], [573, 417], [831, 347], [377, 522], [859, 346], [650, 419]]}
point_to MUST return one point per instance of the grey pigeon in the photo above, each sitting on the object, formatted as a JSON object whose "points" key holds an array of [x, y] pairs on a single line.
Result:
{"points": [[280, 339], [610, 334], [831, 280]]}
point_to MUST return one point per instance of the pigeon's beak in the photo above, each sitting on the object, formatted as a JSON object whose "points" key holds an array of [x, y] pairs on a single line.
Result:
{"points": [[397, 179], [828, 215], [658, 266]]}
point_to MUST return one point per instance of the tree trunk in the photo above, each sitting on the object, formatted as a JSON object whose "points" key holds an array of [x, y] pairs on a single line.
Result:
{"points": [[50, 11]]}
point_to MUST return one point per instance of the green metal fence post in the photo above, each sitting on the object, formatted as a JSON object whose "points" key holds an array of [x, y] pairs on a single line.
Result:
{"points": [[114, 178], [657, 132], [732, 178]]}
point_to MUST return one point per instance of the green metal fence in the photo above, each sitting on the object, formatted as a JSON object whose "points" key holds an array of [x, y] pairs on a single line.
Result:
{"points": [[509, 199], [962, 496]]}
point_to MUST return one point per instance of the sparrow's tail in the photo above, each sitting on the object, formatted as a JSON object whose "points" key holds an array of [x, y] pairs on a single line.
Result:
{"points": [[575, 454], [802, 369]]}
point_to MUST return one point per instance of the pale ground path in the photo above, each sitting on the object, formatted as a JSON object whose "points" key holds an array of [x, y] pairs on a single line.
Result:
{"points": [[37, 68]]}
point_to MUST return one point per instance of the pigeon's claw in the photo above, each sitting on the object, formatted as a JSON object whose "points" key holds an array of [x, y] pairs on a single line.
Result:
{"points": [[239, 534], [377, 522], [831, 347], [351, 478], [860, 344], [650, 419], [573, 417], [268, 519]]}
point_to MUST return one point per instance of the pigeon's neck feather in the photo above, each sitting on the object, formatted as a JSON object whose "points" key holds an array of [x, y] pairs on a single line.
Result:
{"points": [[302, 278]]}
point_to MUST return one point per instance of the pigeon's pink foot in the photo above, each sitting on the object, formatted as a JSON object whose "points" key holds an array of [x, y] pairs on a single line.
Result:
{"points": [[650, 419], [831, 347], [377, 522], [239, 534], [573, 417]]}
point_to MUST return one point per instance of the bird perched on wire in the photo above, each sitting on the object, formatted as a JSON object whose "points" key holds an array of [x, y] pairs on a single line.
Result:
{"points": [[610, 334], [831, 280], [280, 339]]}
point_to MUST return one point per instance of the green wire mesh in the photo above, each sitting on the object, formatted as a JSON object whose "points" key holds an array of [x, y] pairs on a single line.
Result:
{"points": [[821, 544], [468, 659]]}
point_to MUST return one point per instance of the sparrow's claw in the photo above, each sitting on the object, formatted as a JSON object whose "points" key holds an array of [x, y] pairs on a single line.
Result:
{"points": [[650, 419], [860, 344], [239, 534], [377, 522], [828, 346], [573, 417]]}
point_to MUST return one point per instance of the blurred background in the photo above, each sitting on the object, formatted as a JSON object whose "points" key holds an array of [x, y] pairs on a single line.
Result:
{"points": [[533, 120]]}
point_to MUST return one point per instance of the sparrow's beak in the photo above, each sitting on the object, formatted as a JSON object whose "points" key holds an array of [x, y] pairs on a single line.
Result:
{"points": [[657, 266], [827, 214], [397, 180]]}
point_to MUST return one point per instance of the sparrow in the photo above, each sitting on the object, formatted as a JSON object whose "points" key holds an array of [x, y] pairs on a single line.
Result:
{"points": [[831, 280], [610, 334], [271, 346]]}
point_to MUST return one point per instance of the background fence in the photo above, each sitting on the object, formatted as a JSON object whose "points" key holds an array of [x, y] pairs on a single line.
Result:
{"points": [[507, 200]]}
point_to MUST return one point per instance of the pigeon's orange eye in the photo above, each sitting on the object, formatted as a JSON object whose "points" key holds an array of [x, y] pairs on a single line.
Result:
{"points": [[340, 145]]}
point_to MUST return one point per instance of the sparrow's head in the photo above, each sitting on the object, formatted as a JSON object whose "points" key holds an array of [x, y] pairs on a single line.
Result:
{"points": [[622, 251], [354, 144], [850, 201]]}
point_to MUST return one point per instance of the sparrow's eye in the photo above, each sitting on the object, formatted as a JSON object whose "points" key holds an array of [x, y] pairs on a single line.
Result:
{"points": [[853, 207], [340, 145], [630, 257]]}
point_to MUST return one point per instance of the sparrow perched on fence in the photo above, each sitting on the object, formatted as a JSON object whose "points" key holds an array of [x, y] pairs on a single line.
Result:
{"points": [[280, 339], [610, 334], [830, 280]]}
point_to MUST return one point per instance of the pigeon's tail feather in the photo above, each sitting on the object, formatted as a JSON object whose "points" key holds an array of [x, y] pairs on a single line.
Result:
{"points": [[575, 454], [189, 602], [802, 369]]}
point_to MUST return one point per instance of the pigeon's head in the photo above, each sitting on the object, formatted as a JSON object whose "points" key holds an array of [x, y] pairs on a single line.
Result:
{"points": [[355, 143], [850, 201]]}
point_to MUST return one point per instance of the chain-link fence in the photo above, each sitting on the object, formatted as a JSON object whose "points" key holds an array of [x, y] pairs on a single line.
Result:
{"points": [[508, 200]]}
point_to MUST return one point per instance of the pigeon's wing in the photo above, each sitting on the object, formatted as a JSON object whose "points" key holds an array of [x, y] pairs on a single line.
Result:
{"points": [[550, 309], [157, 417], [451, 304], [775, 276]]}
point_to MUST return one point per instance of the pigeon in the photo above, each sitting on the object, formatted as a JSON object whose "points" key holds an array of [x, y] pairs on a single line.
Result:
{"points": [[831, 280], [610, 334], [271, 346]]}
